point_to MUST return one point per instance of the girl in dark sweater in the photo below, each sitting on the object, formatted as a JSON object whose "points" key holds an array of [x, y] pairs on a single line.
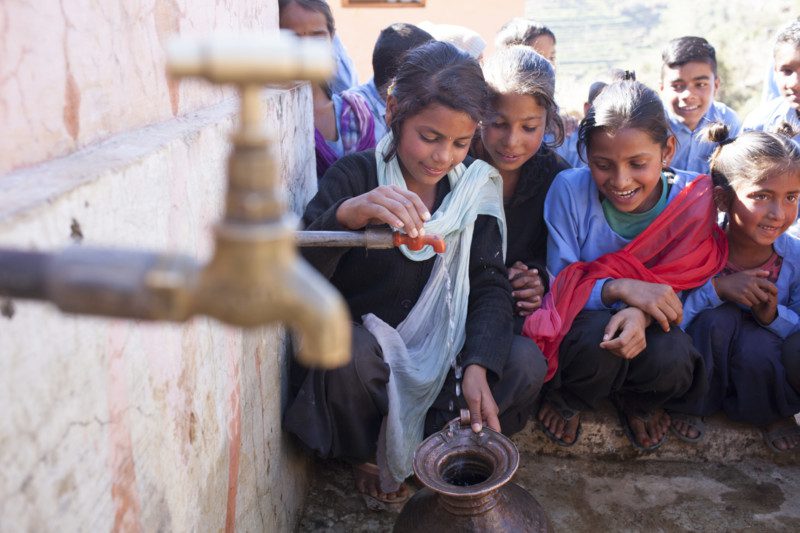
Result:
{"points": [[431, 333], [522, 84]]}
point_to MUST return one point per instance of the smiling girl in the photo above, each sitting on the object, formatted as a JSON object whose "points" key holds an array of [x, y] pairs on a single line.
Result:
{"points": [[741, 319], [419, 318], [637, 232], [522, 84]]}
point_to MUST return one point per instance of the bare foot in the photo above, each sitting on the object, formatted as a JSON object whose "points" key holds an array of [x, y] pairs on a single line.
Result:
{"points": [[367, 478], [784, 435], [688, 428], [650, 431], [562, 428]]}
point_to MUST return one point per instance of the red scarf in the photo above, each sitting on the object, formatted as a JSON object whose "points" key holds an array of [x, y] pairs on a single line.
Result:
{"points": [[683, 247]]}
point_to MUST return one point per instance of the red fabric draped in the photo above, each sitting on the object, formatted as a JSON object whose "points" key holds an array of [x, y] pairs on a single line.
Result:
{"points": [[683, 247]]}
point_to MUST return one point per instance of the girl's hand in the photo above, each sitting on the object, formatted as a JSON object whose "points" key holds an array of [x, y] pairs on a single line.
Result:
{"points": [[748, 287], [630, 323], [658, 301], [480, 402], [527, 288], [387, 204], [765, 312]]}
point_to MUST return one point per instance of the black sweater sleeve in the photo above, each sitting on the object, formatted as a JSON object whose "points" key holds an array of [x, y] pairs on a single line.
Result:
{"points": [[349, 177], [489, 315]]}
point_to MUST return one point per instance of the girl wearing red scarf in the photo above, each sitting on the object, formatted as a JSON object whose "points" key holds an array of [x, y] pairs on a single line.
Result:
{"points": [[625, 234]]}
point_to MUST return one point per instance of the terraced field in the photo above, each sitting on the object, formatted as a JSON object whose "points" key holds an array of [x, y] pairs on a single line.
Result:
{"points": [[594, 36]]}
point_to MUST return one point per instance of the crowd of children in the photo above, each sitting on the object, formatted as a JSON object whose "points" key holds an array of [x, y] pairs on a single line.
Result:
{"points": [[643, 258]]}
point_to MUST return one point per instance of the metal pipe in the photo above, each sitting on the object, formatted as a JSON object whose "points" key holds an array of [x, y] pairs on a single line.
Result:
{"points": [[370, 238], [22, 274]]}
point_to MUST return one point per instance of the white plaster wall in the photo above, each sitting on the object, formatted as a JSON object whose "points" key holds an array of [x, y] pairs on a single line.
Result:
{"points": [[73, 72], [123, 425]]}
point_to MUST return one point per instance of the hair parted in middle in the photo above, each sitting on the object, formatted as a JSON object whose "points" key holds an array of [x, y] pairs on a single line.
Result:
{"points": [[625, 104], [520, 70], [436, 73], [751, 157]]}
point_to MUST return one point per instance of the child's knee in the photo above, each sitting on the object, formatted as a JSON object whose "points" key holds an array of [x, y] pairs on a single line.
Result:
{"points": [[527, 364], [790, 357]]}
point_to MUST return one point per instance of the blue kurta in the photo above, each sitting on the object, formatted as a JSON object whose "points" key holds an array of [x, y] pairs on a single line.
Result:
{"points": [[578, 229]]}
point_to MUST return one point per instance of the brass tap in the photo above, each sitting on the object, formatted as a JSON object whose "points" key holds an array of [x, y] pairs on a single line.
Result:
{"points": [[255, 275]]}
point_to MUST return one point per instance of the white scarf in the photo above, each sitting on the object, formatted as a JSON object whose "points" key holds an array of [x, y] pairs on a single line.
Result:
{"points": [[423, 347]]}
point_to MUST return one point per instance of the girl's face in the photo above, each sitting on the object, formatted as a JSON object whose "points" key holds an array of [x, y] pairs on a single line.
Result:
{"points": [[787, 73], [545, 46], [304, 22], [431, 143], [760, 212], [514, 134], [626, 167]]}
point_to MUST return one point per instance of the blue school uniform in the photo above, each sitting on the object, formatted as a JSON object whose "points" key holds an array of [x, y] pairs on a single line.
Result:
{"points": [[345, 76], [376, 105], [569, 150], [746, 362], [770, 115], [578, 229], [788, 320], [692, 152]]}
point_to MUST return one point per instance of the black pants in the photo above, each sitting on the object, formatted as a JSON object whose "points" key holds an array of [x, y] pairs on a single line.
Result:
{"points": [[338, 413], [667, 373]]}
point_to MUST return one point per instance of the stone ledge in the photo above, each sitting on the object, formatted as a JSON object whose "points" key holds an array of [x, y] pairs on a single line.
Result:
{"points": [[602, 437]]}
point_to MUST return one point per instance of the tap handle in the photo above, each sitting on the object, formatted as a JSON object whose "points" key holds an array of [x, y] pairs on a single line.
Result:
{"points": [[417, 243], [251, 59]]}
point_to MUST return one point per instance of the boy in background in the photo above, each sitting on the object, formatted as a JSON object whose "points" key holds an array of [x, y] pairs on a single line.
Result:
{"points": [[390, 48], [782, 113], [689, 82]]}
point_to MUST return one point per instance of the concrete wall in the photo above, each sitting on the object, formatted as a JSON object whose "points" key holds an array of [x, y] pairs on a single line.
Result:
{"points": [[358, 27], [123, 425]]}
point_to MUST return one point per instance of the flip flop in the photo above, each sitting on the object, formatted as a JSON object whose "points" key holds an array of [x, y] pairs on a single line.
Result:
{"points": [[567, 414], [375, 503], [779, 433], [697, 422], [626, 426]]}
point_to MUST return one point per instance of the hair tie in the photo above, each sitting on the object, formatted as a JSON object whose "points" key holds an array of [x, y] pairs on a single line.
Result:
{"points": [[726, 140], [629, 75], [390, 89]]}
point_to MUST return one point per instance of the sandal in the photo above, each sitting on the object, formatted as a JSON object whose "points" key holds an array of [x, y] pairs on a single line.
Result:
{"points": [[566, 414], [779, 433], [624, 420], [693, 421], [366, 474]]}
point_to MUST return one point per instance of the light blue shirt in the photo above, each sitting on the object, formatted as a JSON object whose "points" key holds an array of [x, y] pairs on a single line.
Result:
{"points": [[578, 228], [569, 150], [376, 105], [337, 146], [345, 76], [770, 88], [692, 152], [787, 321], [770, 115]]}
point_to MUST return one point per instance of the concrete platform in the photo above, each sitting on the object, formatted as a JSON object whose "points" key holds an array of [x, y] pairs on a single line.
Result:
{"points": [[731, 482]]}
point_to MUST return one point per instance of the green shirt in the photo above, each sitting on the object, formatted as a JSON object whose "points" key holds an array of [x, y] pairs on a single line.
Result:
{"points": [[629, 225]]}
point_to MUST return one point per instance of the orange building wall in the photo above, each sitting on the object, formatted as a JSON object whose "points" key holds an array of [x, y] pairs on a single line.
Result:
{"points": [[358, 27]]}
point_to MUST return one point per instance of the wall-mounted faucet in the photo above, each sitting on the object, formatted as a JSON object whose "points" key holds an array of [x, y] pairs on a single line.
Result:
{"points": [[255, 275]]}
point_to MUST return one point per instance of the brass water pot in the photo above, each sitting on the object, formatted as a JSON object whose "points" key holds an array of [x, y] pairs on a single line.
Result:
{"points": [[467, 478]]}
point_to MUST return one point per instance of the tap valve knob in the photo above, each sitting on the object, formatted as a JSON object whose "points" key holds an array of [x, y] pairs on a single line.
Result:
{"points": [[417, 243]]}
